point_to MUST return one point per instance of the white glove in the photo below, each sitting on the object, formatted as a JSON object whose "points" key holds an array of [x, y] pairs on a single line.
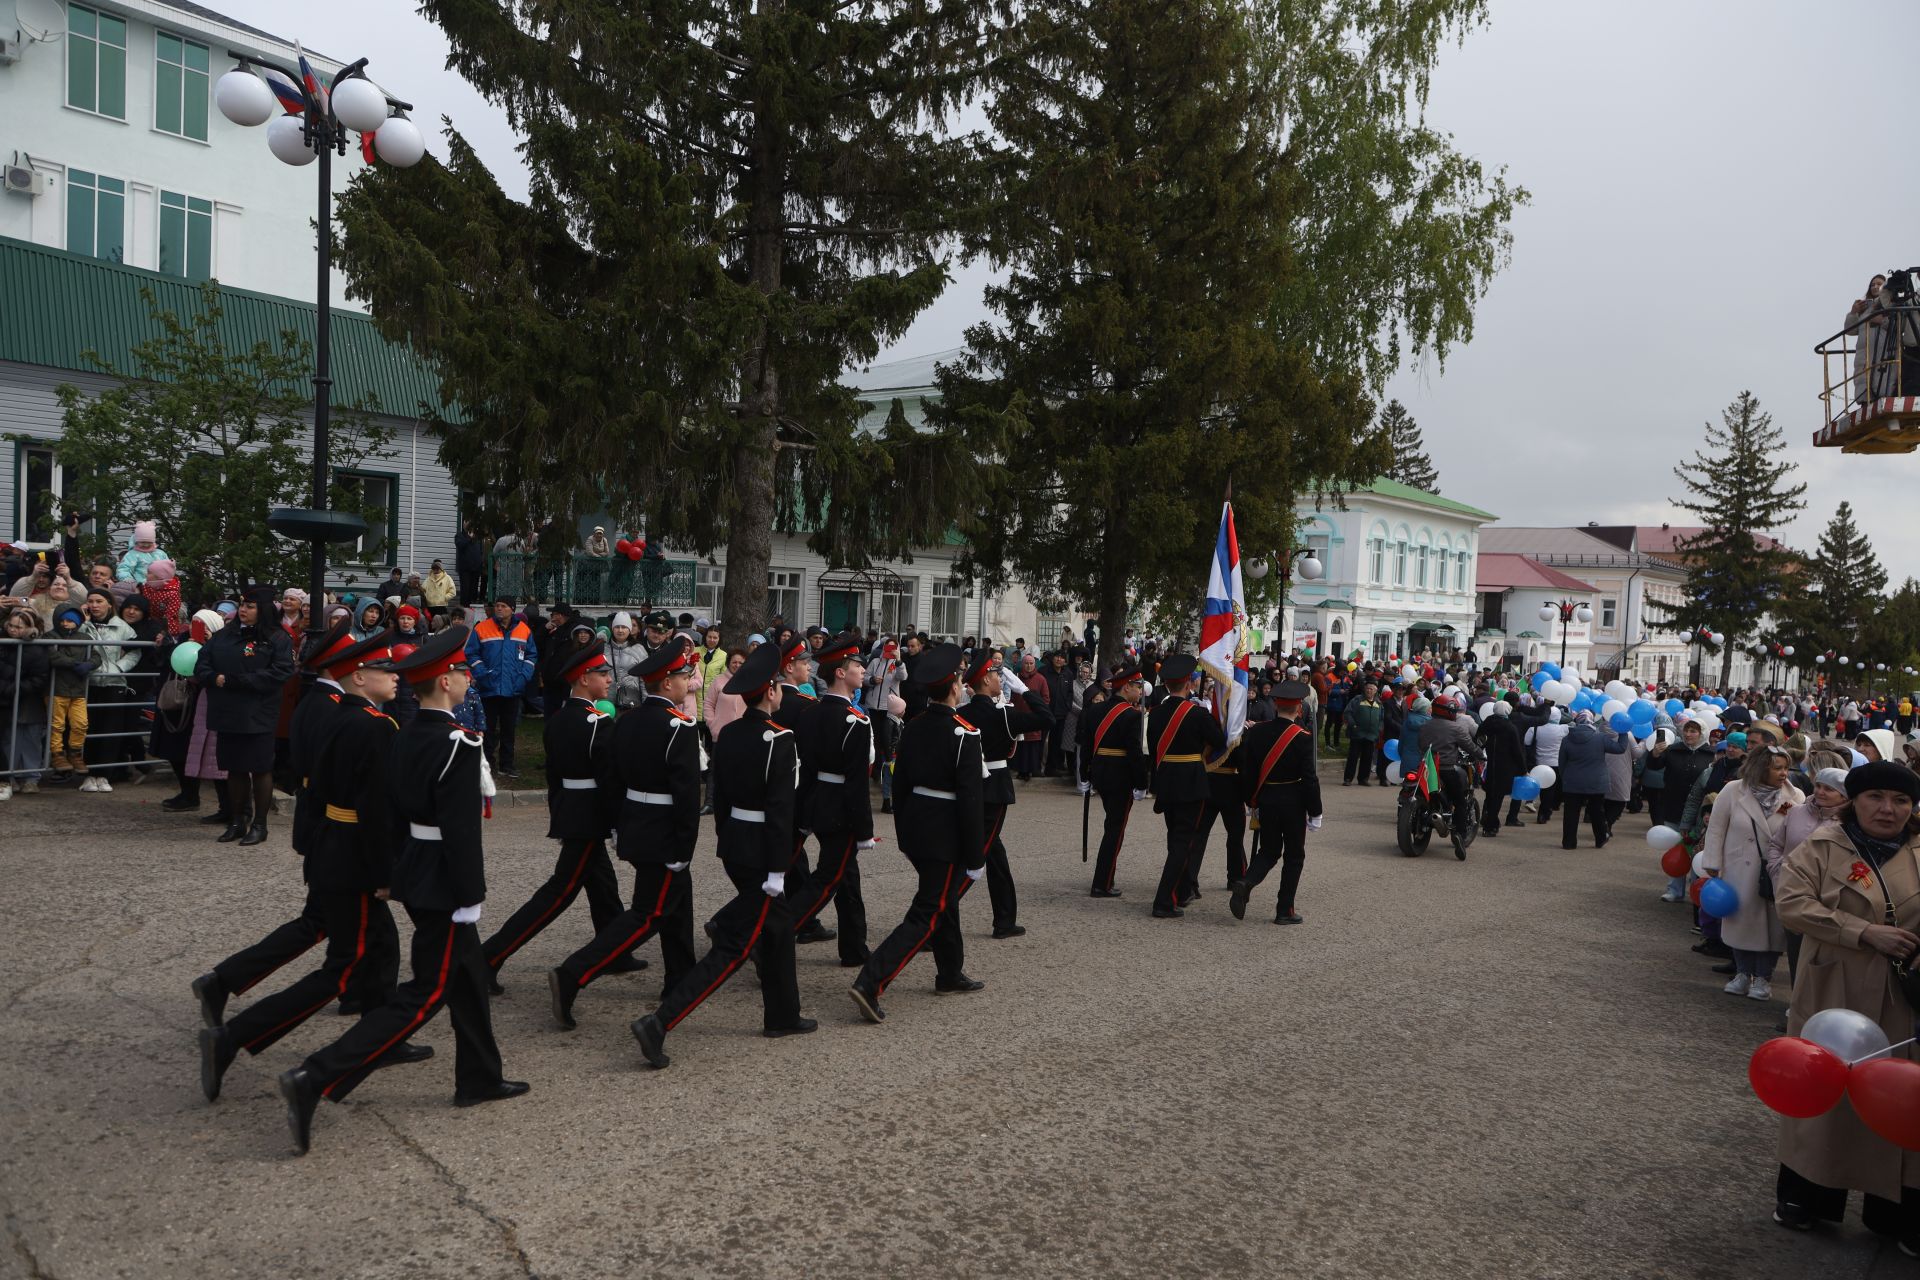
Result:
{"points": [[1085, 787], [1012, 683], [976, 873], [1139, 793], [865, 844], [678, 866], [775, 884], [1313, 824], [896, 704], [467, 915]]}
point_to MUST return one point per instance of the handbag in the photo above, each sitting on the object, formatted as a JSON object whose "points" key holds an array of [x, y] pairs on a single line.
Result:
{"points": [[172, 695]]}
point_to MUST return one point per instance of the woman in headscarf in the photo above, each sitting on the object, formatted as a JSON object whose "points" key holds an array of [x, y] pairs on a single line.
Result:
{"points": [[370, 619], [1747, 815], [1878, 744]]}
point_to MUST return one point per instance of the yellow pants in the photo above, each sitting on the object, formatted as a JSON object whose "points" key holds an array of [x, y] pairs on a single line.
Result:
{"points": [[68, 740]]}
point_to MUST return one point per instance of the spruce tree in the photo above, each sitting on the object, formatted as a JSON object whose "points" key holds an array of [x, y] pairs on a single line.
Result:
{"points": [[1411, 465], [1841, 592], [731, 204]]}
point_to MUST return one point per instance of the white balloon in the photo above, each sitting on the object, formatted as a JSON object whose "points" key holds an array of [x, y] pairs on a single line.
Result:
{"points": [[244, 98], [1543, 774], [286, 138], [1851, 1035], [1620, 690], [398, 142], [1562, 692], [1487, 711], [1612, 708], [1700, 865], [1393, 774], [1662, 837], [359, 104], [1409, 672]]}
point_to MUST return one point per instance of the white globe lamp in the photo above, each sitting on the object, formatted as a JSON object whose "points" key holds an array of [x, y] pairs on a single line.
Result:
{"points": [[1583, 614], [1311, 569], [399, 143], [1548, 613], [244, 98], [359, 104], [286, 138]]}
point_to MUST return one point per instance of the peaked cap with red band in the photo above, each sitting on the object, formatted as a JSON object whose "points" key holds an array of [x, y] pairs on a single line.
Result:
{"points": [[323, 649], [590, 658], [1125, 673], [845, 645], [756, 673], [791, 644], [375, 652], [440, 654], [981, 664], [669, 659], [937, 666]]}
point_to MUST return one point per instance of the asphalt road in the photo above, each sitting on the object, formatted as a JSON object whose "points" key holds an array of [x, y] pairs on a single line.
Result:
{"points": [[1511, 1066]]}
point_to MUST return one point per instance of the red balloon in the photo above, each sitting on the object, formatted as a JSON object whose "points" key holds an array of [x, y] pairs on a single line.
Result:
{"points": [[1675, 861], [621, 546], [1693, 892], [1799, 1078], [635, 550], [1886, 1093]]}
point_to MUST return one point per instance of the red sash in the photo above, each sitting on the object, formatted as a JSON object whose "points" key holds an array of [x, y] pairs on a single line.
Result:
{"points": [[1273, 756], [1107, 723], [1166, 734]]}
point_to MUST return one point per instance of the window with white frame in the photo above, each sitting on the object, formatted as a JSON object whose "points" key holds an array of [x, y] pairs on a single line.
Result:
{"points": [[1462, 580], [896, 607], [783, 595], [374, 494], [186, 236], [709, 589], [180, 77], [40, 484], [947, 606], [1608, 608], [1321, 548], [96, 215], [1377, 561], [1399, 564], [96, 61], [1441, 566], [1420, 555]]}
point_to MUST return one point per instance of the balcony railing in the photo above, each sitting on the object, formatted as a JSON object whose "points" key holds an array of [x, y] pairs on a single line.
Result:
{"points": [[1870, 383], [581, 579]]}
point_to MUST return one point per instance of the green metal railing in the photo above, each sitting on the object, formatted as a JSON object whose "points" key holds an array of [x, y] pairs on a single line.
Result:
{"points": [[579, 578]]}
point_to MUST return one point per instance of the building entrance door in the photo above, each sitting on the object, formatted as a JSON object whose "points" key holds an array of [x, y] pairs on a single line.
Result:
{"points": [[841, 611]]}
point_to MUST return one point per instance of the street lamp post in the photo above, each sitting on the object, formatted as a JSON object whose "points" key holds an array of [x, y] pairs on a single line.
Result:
{"points": [[1703, 636], [1310, 569], [315, 126], [1567, 611]]}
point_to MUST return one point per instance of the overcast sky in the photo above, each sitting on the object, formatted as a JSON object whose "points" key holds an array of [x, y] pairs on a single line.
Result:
{"points": [[1713, 183]]}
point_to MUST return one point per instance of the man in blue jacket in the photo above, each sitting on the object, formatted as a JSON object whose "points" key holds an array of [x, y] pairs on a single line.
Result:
{"points": [[501, 653]]}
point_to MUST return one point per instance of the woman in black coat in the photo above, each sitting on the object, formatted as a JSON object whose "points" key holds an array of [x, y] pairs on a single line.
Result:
{"points": [[1506, 760], [242, 669]]}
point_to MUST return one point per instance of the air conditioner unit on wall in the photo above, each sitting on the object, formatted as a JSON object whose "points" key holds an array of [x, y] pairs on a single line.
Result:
{"points": [[9, 50], [26, 180]]}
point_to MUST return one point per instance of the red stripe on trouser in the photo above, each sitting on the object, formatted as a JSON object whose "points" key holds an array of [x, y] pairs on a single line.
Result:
{"points": [[359, 951], [727, 972], [639, 935], [995, 833], [1117, 842], [319, 936], [573, 886], [425, 1011], [880, 988], [820, 903]]}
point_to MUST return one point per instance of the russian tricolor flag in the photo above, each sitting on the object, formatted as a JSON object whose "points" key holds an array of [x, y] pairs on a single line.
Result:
{"points": [[1223, 631]]}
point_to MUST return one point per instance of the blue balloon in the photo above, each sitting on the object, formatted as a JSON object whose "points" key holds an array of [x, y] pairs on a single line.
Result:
{"points": [[1719, 702], [1675, 706], [1540, 680], [1392, 749], [1642, 731], [1620, 722], [1718, 899], [1525, 788], [1552, 669], [1642, 712]]}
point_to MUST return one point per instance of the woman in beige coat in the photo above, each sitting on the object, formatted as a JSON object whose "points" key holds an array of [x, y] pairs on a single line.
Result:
{"points": [[1834, 891], [1746, 816]]}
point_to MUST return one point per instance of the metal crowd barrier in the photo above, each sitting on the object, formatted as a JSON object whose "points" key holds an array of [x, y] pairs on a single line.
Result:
{"points": [[11, 734]]}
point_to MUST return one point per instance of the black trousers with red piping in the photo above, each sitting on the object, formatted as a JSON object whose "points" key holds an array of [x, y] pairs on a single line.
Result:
{"points": [[1116, 805], [1283, 843], [1183, 832], [752, 923], [448, 969], [662, 906], [373, 981], [582, 864], [933, 918], [837, 880], [1223, 803], [360, 936], [1006, 903]]}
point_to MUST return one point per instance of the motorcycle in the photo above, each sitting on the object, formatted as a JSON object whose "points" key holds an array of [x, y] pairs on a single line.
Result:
{"points": [[1420, 817]]}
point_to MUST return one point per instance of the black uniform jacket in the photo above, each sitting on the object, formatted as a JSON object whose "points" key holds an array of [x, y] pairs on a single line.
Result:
{"points": [[1294, 779], [1113, 735], [433, 779], [797, 707], [1223, 775], [1180, 756], [756, 771], [256, 661], [836, 750], [656, 749], [355, 836], [583, 795], [1000, 729], [305, 734], [940, 754]]}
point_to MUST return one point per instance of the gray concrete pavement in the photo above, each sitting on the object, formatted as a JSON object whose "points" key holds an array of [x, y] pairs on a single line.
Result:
{"points": [[1507, 1067]]}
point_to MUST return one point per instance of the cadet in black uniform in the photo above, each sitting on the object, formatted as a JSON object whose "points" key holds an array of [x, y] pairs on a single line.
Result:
{"points": [[939, 813], [796, 708], [1113, 737], [755, 771], [836, 751], [583, 798], [373, 981], [433, 787], [348, 861], [657, 753], [1000, 729], [1280, 778], [1180, 733], [1223, 803]]}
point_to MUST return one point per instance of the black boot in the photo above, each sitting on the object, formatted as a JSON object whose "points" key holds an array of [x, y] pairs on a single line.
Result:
{"points": [[256, 834], [302, 1100], [221, 818], [236, 827]]}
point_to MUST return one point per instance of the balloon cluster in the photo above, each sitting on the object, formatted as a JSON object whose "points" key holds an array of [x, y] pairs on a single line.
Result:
{"points": [[631, 550], [1838, 1053]]}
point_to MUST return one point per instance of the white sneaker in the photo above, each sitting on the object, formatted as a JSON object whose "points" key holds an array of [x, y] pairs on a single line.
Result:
{"points": [[1669, 896], [86, 783], [6, 791], [101, 784], [1760, 990], [1737, 986]]}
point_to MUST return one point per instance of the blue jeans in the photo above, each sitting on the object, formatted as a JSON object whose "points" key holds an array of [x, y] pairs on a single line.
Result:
{"points": [[1755, 964]]}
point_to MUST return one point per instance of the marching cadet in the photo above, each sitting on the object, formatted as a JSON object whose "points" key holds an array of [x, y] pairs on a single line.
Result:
{"points": [[433, 787], [583, 798], [657, 752], [1000, 729], [796, 707], [1280, 781], [348, 847], [836, 751], [1225, 805], [756, 768], [373, 979], [939, 815], [1114, 739], [1181, 734]]}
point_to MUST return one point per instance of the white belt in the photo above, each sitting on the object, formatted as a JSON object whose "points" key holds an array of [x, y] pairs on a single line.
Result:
{"points": [[419, 832], [996, 764], [748, 815], [649, 797], [578, 784], [831, 777], [935, 793]]}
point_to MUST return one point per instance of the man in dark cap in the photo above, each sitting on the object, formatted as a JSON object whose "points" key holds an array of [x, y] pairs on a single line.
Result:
{"points": [[583, 799], [243, 669], [656, 629], [939, 816], [348, 858], [433, 788], [1113, 733], [1000, 728], [658, 756], [1181, 734], [1280, 780], [797, 706], [836, 751], [755, 767]]}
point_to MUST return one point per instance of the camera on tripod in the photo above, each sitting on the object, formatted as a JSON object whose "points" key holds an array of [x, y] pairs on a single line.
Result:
{"points": [[1899, 287]]}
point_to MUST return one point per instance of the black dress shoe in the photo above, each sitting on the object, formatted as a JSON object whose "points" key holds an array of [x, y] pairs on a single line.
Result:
{"points": [[222, 818], [1289, 917], [1014, 932], [233, 832], [1167, 913], [561, 990], [493, 985], [626, 964], [799, 1028], [256, 834], [302, 1099], [1104, 893], [868, 1003], [212, 998], [217, 1051], [402, 1054], [816, 932], [179, 804], [1238, 902], [653, 1039], [492, 1093], [957, 983], [1513, 822], [1192, 897]]}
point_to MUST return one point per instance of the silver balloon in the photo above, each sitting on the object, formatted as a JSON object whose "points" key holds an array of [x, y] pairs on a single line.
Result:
{"points": [[1851, 1035]]}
